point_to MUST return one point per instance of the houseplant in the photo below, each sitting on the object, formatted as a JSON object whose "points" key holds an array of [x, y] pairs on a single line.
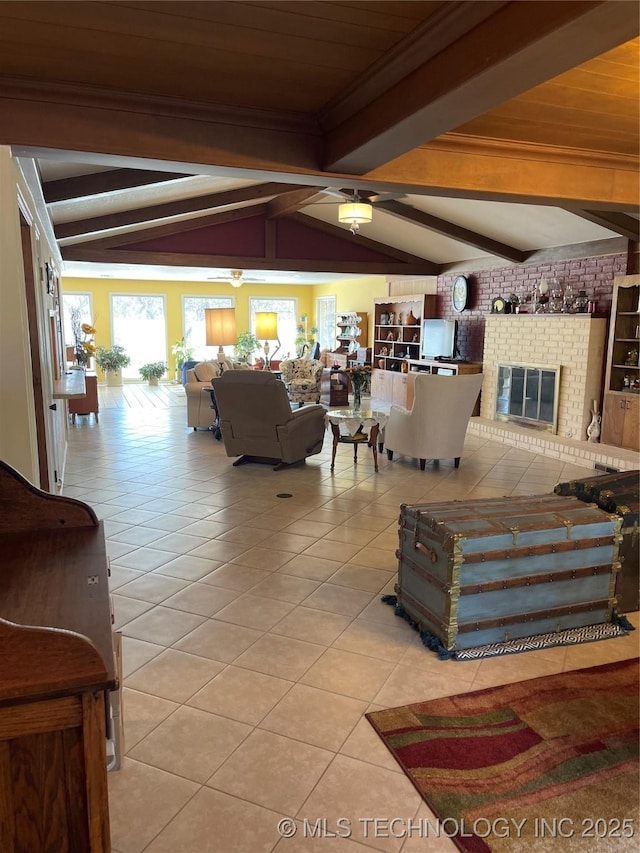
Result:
{"points": [[111, 360], [182, 353], [153, 371], [246, 345]]}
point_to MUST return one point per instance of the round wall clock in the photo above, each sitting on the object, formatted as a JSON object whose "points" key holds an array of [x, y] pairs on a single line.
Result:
{"points": [[460, 293]]}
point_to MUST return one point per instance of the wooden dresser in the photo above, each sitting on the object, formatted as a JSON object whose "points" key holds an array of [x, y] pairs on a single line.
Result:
{"points": [[56, 670]]}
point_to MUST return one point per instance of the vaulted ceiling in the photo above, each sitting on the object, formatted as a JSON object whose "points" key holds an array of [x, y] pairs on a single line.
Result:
{"points": [[206, 136]]}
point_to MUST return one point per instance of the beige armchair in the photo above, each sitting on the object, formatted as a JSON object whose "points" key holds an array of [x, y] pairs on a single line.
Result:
{"points": [[435, 426], [257, 422], [199, 411], [303, 378]]}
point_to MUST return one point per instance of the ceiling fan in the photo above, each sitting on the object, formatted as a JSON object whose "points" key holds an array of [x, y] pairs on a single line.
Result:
{"points": [[355, 209], [367, 196], [236, 278]]}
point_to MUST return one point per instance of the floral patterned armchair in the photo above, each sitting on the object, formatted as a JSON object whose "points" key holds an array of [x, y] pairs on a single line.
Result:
{"points": [[303, 378]]}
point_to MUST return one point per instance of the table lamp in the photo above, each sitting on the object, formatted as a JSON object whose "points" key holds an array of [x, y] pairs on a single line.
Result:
{"points": [[220, 326], [267, 330]]}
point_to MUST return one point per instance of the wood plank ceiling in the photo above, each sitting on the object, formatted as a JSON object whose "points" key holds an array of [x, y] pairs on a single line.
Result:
{"points": [[167, 132]]}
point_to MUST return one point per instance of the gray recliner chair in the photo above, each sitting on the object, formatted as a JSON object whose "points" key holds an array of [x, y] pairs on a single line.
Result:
{"points": [[257, 422]]}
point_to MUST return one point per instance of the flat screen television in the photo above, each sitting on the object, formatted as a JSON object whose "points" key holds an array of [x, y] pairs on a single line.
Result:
{"points": [[438, 339]]}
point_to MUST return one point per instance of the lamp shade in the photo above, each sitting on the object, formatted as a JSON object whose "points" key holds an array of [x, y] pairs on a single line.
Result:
{"points": [[267, 325], [355, 212], [220, 326]]}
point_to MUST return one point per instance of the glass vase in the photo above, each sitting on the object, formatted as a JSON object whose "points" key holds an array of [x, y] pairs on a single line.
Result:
{"points": [[357, 398]]}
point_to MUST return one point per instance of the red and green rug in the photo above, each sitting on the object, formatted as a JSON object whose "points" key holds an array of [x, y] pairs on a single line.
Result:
{"points": [[541, 765]]}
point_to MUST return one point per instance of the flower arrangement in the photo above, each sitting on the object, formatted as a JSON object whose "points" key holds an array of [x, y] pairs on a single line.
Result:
{"points": [[84, 339], [360, 376]]}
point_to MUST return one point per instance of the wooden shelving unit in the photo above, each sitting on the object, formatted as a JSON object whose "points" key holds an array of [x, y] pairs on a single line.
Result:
{"points": [[397, 336], [621, 411], [353, 330]]}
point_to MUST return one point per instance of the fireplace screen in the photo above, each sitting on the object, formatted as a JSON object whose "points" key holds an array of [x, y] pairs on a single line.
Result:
{"points": [[528, 395]]}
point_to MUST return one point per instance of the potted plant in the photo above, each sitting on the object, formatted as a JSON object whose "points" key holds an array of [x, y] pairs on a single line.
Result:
{"points": [[111, 360], [246, 345], [153, 371], [183, 353]]}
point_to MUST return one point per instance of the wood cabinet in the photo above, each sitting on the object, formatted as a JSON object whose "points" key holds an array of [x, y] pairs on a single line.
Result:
{"points": [[87, 405], [622, 377], [335, 388], [56, 671], [620, 425]]}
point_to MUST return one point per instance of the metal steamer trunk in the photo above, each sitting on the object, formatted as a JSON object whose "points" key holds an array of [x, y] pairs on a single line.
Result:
{"points": [[490, 571], [620, 493]]}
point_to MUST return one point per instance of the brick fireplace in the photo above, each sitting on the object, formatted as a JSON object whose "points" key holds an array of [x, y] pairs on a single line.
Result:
{"points": [[574, 342]]}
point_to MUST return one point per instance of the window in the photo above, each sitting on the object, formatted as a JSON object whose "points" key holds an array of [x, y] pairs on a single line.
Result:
{"points": [[71, 302], [326, 321], [287, 310], [193, 308], [139, 325]]}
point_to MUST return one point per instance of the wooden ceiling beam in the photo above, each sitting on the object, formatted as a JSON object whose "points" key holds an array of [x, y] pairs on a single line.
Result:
{"points": [[450, 229], [514, 173], [173, 208], [522, 45], [447, 166], [291, 202], [80, 119], [80, 252], [627, 226], [171, 228], [82, 186]]}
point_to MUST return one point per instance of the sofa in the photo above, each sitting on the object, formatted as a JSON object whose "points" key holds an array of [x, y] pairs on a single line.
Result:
{"points": [[200, 415]]}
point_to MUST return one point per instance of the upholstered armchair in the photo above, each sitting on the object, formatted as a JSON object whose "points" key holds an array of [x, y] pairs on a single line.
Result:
{"points": [[303, 378], [257, 422], [435, 426], [199, 411]]}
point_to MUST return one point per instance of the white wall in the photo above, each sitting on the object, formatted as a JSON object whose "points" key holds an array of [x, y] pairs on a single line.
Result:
{"points": [[18, 437]]}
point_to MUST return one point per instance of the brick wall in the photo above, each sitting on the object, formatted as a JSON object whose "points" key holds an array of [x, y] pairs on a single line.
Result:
{"points": [[595, 275]]}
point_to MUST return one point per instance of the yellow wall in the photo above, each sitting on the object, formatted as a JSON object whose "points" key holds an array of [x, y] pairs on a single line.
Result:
{"points": [[354, 295]]}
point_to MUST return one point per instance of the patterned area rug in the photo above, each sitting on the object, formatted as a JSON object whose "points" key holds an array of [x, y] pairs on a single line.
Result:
{"points": [[549, 764]]}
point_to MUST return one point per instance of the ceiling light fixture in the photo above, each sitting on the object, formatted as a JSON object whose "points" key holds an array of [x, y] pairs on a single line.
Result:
{"points": [[236, 278], [355, 213]]}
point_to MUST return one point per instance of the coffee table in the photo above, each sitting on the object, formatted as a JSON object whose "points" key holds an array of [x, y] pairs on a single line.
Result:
{"points": [[356, 426]]}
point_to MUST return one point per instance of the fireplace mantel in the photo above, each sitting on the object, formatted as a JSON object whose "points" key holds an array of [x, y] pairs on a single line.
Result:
{"points": [[576, 342]]}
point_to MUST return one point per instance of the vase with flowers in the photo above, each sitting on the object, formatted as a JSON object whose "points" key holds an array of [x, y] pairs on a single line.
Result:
{"points": [[84, 347], [360, 376]]}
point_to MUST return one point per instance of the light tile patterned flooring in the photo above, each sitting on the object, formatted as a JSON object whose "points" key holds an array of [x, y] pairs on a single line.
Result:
{"points": [[254, 635]]}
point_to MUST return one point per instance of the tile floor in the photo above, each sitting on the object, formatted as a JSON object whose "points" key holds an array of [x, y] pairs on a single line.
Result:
{"points": [[255, 639]]}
